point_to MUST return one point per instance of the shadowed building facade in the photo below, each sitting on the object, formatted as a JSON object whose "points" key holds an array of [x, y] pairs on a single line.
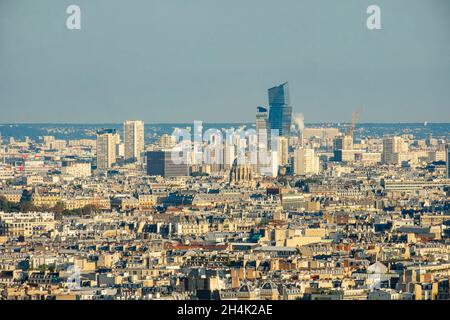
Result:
{"points": [[160, 163]]}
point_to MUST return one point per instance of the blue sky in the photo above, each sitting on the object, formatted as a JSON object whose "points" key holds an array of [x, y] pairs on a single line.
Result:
{"points": [[213, 60]]}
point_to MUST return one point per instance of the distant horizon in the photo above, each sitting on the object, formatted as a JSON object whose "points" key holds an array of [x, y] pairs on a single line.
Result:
{"points": [[164, 60]]}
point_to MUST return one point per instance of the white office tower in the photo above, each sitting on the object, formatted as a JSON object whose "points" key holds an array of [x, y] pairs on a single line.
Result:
{"points": [[395, 150], [283, 151], [306, 162], [274, 163], [106, 148], [262, 133], [268, 161], [213, 151], [133, 136]]}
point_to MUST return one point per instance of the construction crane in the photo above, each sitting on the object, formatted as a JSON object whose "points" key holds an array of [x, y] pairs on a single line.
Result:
{"points": [[350, 132]]}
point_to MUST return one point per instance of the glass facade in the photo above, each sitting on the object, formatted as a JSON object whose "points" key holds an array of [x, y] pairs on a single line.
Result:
{"points": [[159, 163]]}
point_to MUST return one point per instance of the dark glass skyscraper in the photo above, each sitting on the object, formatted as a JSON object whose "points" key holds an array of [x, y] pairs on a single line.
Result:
{"points": [[280, 114], [159, 163]]}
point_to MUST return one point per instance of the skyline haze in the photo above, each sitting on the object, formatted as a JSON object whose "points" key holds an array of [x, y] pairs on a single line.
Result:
{"points": [[178, 61]]}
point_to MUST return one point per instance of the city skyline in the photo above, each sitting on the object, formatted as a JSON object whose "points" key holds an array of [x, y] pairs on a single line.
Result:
{"points": [[225, 151]]}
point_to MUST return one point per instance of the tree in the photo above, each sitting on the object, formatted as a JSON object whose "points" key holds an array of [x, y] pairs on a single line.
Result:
{"points": [[4, 204], [27, 206], [43, 267], [89, 209], [58, 208], [7, 206]]}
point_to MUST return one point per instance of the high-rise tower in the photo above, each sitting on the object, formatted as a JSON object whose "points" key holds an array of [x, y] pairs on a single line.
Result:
{"points": [[392, 149], [161, 163], [262, 127], [280, 114], [262, 137], [106, 148], [447, 153]]}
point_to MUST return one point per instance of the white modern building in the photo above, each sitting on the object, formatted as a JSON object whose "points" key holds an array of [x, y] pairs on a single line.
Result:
{"points": [[133, 136], [306, 162]]}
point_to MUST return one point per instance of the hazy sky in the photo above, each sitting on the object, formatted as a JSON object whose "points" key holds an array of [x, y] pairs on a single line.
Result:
{"points": [[213, 60]]}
